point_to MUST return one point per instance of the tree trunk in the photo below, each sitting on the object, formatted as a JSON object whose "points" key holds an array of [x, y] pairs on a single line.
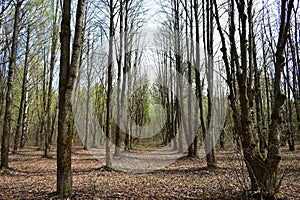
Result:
{"points": [[290, 136], [197, 74], [10, 87], [262, 171], [23, 93], [87, 114], [67, 77], [48, 137], [109, 86], [294, 85], [126, 69], [25, 118], [179, 85], [208, 136], [119, 110], [3, 69], [273, 157], [190, 47]]}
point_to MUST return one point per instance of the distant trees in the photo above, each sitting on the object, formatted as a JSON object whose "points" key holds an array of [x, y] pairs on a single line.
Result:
{"points": [[193, 59], [140, 107], [36, 66]]}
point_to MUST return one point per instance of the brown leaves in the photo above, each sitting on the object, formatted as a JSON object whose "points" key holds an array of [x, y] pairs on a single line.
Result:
{"points": [[34, 177]]}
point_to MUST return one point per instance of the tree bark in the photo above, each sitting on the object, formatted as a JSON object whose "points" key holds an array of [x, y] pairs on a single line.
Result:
{"points": [[10, 88], [67, 77], [262, 171], [273, 156]]}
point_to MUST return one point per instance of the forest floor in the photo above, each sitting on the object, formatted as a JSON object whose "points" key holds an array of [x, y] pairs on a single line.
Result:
{"points": [[33, 177]]}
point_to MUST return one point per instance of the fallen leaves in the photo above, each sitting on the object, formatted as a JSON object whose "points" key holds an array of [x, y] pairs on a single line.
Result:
{"points": [[34, 177]]}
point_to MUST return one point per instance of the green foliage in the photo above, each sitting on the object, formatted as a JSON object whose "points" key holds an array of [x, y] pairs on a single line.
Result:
{"points": [[141, 103], [100, 103]]}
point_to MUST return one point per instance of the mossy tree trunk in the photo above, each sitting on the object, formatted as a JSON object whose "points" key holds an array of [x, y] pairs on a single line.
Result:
{"points": [[262, 169], [67, 77]]}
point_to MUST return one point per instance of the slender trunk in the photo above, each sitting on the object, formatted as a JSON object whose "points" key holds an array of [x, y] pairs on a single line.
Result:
{"points": [[208, 137], [38, 126], [3, 65], [43, 132], [23, 93], [290, 136], [87, 114], [109, 86], [257, 89], [126, 68], [2, 81], [267, 82], [129, 84], [53, 124], [296, 65], [258, 103], [178, 57], [25, 117], [119, 110], [48, 137], [189, 56], [197, 73]]}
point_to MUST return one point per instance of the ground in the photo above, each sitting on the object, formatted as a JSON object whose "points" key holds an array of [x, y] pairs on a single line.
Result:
{"points": [[33, 177]]}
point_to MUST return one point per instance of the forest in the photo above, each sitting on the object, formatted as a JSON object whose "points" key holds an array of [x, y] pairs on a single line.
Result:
{"points": [[150, 99]]}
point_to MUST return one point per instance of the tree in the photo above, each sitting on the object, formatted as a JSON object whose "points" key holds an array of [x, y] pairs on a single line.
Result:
{"points": [[88, 92], [23, 94], [67, 77], [4, 53], [54, 41], [10, 87], [207, 128], [262, 169], [273, 156], [119, 61], [109, 83], [140, 108]]}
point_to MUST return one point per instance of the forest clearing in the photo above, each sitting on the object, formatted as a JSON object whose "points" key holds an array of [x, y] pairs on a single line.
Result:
{"points": [[33, 177], [150, 99]]}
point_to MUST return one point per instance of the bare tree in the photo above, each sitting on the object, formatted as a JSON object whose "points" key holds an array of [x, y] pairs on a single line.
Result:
{"points": [[10, 87], [54, 41], [262, 169], [23, 94], [109, 83], [67, 77]]}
